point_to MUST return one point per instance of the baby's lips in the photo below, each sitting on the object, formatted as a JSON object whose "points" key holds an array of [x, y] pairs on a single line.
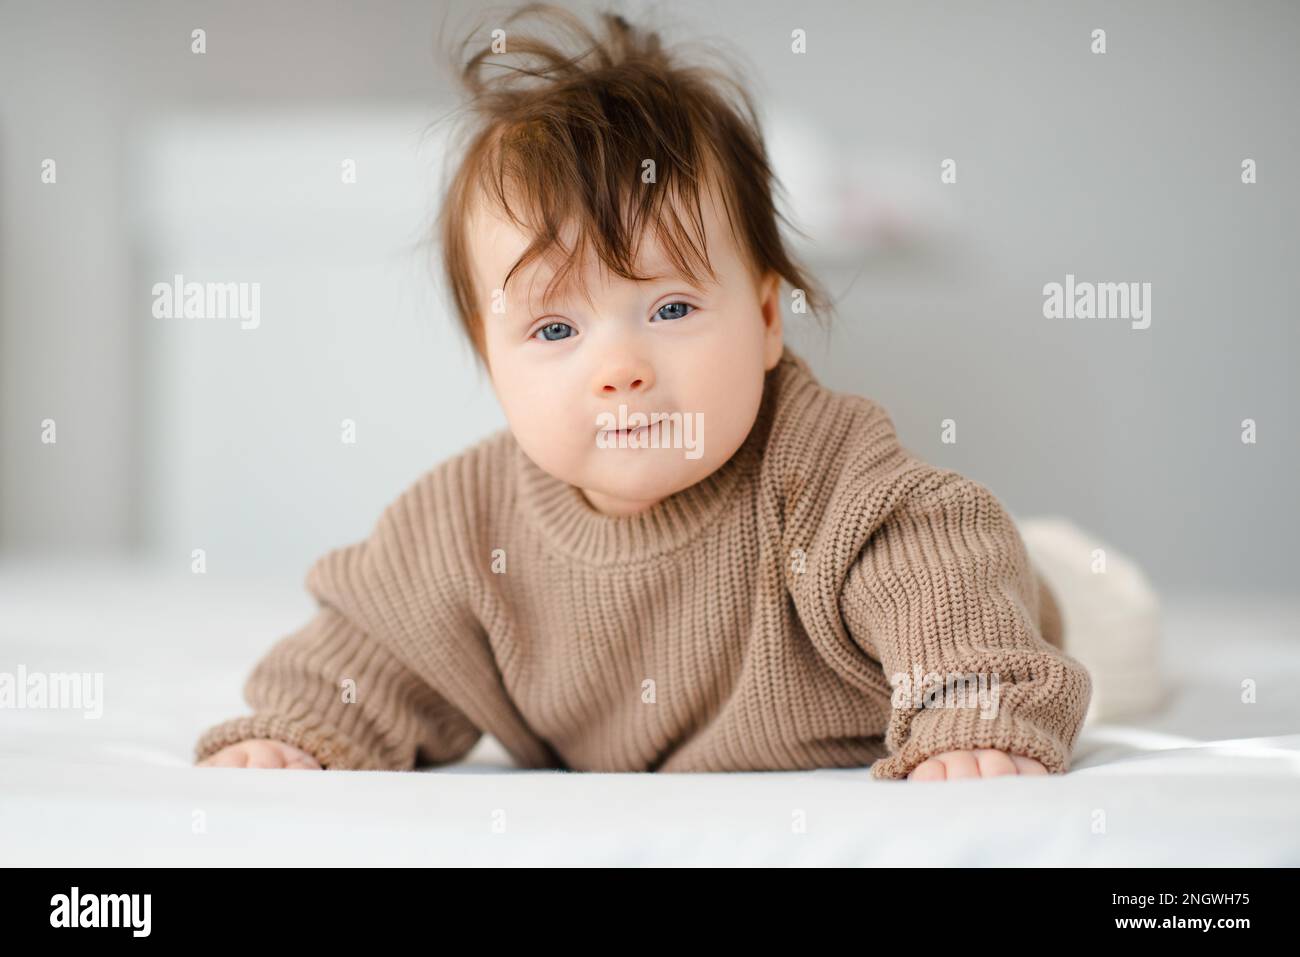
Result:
{"points": [[651, 419]]}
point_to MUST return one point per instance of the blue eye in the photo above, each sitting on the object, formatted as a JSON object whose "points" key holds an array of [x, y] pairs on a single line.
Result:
{"points": [[675, 306], [554, 331]]}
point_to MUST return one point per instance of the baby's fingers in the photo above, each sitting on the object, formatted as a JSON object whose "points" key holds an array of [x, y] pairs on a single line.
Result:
{"points": [[1028, 765], [264, 754], [980, 763], [993, 763], [930, 769], [946, 766], [960, 764], [231, 756], [300, 761]]}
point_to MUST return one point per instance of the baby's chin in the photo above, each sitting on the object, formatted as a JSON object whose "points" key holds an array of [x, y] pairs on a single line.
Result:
{"points": [[640, 475]]}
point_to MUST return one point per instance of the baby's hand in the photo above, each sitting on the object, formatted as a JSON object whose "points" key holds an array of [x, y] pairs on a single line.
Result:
{"points": [[261, 753], [983, 763]]}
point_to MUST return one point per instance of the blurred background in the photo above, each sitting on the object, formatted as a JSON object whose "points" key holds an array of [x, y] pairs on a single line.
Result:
{"points": [[175, 435]]}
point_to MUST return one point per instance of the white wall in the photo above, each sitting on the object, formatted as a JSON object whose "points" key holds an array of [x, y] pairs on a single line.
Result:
{"points": [[245, 419], [1116, 168]]}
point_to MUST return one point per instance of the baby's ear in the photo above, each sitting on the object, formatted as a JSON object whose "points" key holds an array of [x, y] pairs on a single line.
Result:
{"points": [[769, 301]]}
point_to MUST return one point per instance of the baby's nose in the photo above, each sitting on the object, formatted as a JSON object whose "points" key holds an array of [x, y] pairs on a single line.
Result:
{"points": [[632, 386], [625, 380]]}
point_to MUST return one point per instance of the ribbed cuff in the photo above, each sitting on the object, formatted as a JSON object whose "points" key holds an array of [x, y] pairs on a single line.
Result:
{"points": [[936, 730], [324, 743]]}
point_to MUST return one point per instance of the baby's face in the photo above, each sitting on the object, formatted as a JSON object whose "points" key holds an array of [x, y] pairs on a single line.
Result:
{"points": [[657, 348]]}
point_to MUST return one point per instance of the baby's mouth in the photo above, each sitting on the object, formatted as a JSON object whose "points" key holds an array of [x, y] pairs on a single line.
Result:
{"points": [[614, 435]]}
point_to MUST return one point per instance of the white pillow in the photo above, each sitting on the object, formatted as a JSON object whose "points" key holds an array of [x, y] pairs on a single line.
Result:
{"points": [[1110, 613]]}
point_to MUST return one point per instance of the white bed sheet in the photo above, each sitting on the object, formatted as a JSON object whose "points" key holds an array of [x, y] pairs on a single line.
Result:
{"points": [[1206, 780]]}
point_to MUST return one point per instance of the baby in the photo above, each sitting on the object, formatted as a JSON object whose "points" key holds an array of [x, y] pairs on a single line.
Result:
{"points": [[684, 553]]}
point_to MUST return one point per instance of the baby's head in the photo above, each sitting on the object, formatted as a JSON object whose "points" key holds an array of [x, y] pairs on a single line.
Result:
{"points": [[610, 240]]}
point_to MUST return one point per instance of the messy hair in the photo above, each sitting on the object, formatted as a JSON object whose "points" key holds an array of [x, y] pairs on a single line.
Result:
{"points": [[559, 140]]}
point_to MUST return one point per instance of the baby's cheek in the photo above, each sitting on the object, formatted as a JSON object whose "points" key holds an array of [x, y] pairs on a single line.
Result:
{"points": [[562, 452]]}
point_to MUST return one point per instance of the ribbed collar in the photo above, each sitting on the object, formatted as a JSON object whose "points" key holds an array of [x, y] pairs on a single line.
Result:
{"points": [[573, 527]]}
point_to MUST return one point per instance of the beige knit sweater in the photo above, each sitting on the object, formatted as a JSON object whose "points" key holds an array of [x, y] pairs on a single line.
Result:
{"points": [[752, 621]]}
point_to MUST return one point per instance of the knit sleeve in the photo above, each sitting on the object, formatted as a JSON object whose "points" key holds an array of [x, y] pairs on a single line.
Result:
{"points": [[382, 676], [334, 692], [944, 597]]}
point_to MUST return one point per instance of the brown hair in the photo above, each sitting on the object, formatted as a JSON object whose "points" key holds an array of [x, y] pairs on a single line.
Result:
{"points": [[564, 135]]}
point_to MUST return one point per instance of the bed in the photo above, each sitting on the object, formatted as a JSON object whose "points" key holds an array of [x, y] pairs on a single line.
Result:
{"points": [[1204, 779]]}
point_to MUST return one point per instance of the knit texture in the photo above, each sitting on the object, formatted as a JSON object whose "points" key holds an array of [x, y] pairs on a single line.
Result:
{"points": [[756, 620]]}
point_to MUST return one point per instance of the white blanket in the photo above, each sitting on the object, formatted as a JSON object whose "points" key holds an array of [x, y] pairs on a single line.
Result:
{"points": [[1208, 779]]}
